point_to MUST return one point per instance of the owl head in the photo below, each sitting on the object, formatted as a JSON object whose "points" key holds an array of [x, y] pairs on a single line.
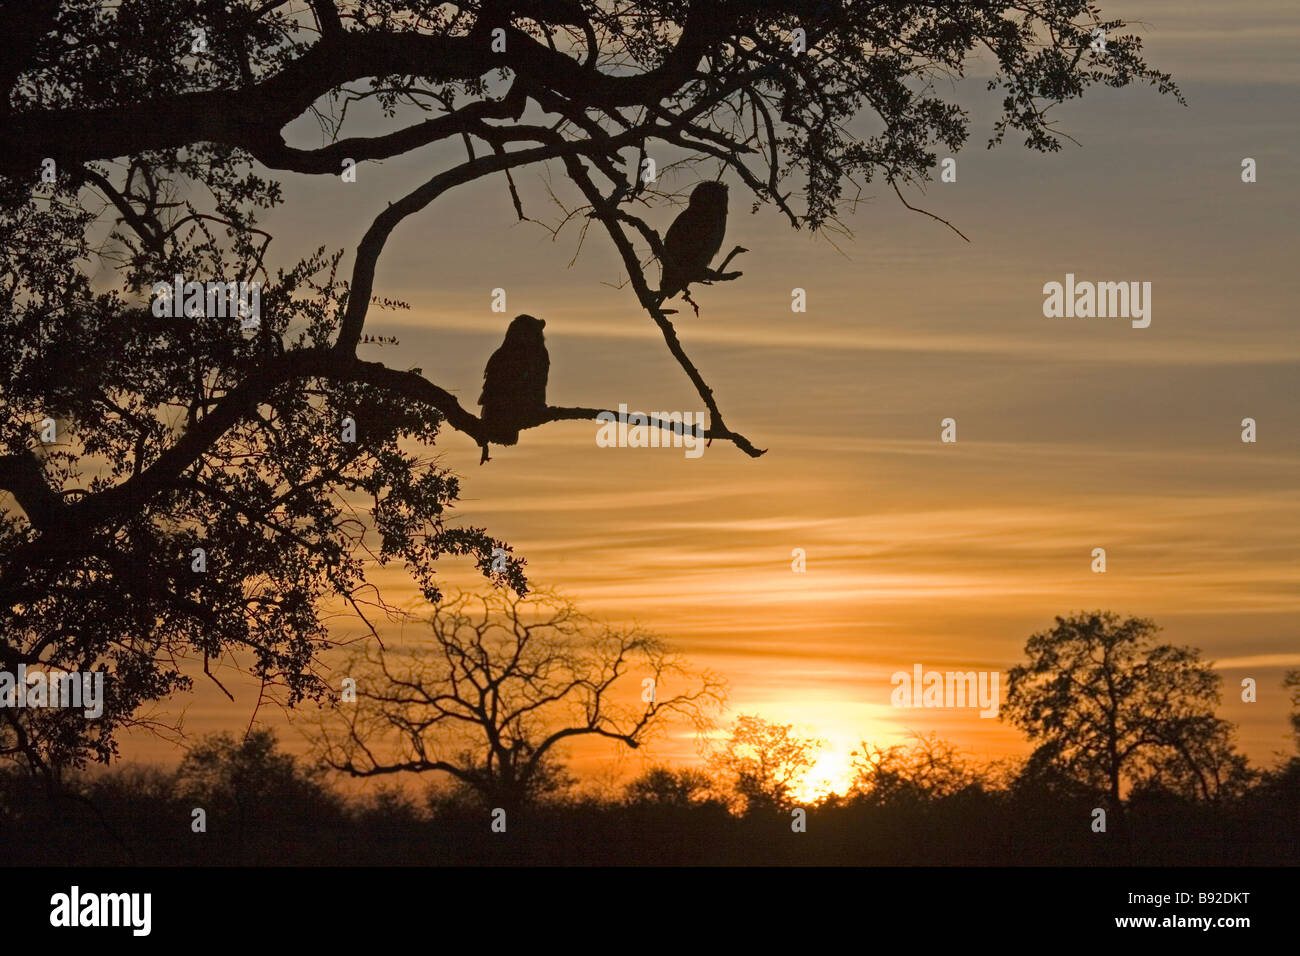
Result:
{"points": [[525, 328], [709, 195]]}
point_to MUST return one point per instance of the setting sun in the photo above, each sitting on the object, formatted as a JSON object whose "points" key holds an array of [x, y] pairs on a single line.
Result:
{"points": [[832, 773]]}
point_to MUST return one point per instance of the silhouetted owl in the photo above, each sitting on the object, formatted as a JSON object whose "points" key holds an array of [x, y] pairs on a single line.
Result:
{"points": [[514, 382], [694, 238]]}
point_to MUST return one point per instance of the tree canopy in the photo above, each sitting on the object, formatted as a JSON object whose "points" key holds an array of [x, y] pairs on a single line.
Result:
{"points": [[1112, 708]]}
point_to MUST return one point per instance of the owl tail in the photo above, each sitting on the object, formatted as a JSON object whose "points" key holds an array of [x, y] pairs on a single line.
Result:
{"points": [[670, 282], [669, 286]]}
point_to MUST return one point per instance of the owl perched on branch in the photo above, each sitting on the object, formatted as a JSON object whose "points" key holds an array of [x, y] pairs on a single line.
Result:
{"points": [[514, 382], [694, 239]]}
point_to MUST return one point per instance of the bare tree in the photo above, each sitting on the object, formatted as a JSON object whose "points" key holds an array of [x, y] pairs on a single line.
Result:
{"points": [[504, 681]]}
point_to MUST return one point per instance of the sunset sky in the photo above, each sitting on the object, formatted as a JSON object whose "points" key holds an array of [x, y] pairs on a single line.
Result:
{"points": [[1073, 434]]}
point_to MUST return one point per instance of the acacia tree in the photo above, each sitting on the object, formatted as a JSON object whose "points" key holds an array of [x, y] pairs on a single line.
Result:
{"points": [[1110, 707], [142, 142], [503, 683]]}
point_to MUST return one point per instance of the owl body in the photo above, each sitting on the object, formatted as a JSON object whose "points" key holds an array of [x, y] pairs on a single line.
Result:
{"points": [[514, 381], [694, 238]]}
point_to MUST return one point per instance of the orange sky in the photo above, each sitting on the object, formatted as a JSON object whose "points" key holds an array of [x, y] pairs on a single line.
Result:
{"points": [[1072, 433]]}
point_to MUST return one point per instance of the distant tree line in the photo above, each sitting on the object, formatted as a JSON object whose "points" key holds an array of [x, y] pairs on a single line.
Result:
{"points": [[919, 803], [1121, 724]]}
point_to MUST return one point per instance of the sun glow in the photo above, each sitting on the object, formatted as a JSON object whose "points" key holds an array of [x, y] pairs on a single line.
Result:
{"points": [[832, 773]]}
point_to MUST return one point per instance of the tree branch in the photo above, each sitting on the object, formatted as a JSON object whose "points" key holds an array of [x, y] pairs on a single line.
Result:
{"points": [[607, 212], [252, 116]]}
